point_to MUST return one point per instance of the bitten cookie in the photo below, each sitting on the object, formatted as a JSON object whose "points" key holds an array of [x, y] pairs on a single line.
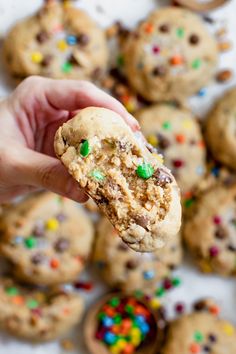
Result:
{"points": [[122, 268], [220, 129], [36, 314], [135, 191], [47, 239], [210, 230], [200, 333], [59, 41], [176, 134], [170, 55]]}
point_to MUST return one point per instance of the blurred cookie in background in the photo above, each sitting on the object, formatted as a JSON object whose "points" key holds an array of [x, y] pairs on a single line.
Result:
{"points": [[170, 55], [220, 128], [176, 134], [210, 230], [46, 238], [37, 314], [59, 41], [127, 270]]}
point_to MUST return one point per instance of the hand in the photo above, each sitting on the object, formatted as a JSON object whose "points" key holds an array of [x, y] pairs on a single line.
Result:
{"points": [[29, 118]]}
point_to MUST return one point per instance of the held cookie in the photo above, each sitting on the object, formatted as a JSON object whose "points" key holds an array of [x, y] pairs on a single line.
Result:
{"points": [[176, 134], [220, 130], [129, 183], [47, 239], [36, 314], [123, 268], [210, 230], [170, 55], [200, 333], [59, 41]]}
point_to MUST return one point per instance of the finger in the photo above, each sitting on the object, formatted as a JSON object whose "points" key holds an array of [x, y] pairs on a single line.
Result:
{"points": [[39, 170], [71, 95]]}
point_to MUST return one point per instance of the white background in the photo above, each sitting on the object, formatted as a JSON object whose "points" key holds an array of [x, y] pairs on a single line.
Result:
{"points": [[129, 12]]}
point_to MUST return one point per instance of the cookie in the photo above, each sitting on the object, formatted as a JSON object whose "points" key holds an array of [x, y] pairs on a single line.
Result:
{"points": [[127, 270], [200, 332], [47, 239], [37, 314], [220, 130], [174, 131], [129, 183], [170, 55], [210, 230], [59, 41]]}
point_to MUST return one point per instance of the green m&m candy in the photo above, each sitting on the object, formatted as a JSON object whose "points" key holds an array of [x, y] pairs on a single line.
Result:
{"points": [[85, 148], [145, 170]]}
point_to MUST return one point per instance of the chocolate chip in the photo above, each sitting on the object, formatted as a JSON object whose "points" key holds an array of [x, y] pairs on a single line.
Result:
{"points": [[72, 60], [47, 60], [212, 338], [206, 348], [122, 247], [38, 229], [159, 71], [102, 200], [221, 233], [194, 39], [232, 248], [123, 146], [162, 177], [132, 264], [42, 37], [200, 305], [62, 245], [141, 220], [164, 28], [163, 142], [38, 258], [83, 39], [96, 74]]}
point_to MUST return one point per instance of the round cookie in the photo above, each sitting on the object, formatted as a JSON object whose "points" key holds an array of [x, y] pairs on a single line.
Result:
{"points": [[127, 270], [36, 314], [200, 333], [59, 41], [169, 55], [128, 182], [47, 239], [220, 129], [176, 134], [210, 230]]}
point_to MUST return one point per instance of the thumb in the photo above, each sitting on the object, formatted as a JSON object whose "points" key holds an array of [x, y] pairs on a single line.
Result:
{"points": [[38, 170]]}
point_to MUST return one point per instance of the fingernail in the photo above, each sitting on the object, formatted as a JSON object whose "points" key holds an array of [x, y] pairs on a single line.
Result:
{"points": [[135, 124]]}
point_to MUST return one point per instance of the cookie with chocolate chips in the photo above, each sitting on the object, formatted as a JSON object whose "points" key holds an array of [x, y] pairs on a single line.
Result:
{"points": [[200, 332], [128, 182], [37, 314], [221, 128], [175, 132], [127, 270], [59, 41], [169, 55], [46, 238], [210, 230]]}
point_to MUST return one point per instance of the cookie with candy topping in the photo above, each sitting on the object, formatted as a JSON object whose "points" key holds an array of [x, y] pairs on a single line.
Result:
{"points": [[174, 131], [210, 230], [200, 332], [127, 181], [47, 239], [59, 41], [169, 55], [37, 314], [220, 129], [123, 268]]}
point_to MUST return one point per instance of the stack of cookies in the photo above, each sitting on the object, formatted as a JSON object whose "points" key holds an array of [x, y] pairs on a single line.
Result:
{"points": [[137, 187]]}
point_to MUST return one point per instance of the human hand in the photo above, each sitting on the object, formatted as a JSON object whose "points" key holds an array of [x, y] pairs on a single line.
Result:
{"points": [[29, 118]]}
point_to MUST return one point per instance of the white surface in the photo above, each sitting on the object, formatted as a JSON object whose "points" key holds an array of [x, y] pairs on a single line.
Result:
{"points": [[130, 11]]}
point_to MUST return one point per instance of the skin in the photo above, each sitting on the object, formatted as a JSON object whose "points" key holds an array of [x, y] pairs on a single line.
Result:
{"points": [[29, 118]]}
